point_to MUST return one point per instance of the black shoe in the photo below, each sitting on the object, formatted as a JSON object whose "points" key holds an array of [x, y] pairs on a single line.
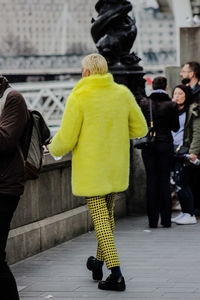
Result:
{"points": [[153, 225], [97, 273], [113, 284], [166, 225], [197, 212]]}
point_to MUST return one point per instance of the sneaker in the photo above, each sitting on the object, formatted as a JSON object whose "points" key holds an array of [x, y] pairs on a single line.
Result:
{"points": [[177, 217], [186, 220]]}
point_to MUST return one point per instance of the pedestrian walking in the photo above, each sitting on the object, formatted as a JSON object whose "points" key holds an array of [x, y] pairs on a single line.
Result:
{"points": [[189, 137], [99, 119], [158, 158], [13, 120]]}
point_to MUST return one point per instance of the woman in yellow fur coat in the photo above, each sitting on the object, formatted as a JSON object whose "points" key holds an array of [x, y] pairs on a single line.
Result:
{"points": [[99, 119]]}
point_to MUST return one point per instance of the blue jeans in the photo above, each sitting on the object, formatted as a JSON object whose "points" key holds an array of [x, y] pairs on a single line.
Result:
{"points": [[8, 205], [158, 162]]}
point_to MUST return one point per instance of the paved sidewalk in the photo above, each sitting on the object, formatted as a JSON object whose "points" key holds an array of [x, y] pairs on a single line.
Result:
{"points": [[162, 263]]}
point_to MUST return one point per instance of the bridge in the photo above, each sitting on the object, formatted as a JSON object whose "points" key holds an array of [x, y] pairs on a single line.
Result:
{"points": [[29, 68]]}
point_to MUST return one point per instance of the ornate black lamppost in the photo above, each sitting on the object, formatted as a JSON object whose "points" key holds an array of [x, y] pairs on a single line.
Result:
{"points": [[114, 33]]}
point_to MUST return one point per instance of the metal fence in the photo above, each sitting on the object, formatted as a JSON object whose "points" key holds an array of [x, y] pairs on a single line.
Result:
{"points": [[40, 62], [48, 98]]}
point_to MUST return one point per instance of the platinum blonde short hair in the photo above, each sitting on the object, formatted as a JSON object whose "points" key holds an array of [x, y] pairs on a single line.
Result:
{"points": [[95, 63]]}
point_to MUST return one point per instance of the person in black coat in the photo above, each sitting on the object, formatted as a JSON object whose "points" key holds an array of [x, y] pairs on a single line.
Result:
{"points": [[158, 158], [13, 121]]}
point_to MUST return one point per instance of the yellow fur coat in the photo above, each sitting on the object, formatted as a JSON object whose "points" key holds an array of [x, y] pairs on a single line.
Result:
{"points": [[99, 119]]}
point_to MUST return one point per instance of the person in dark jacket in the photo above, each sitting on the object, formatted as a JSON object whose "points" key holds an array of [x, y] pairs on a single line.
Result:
{"points": [[188, 136], [190, 75], [13, 119], [158, 158]]}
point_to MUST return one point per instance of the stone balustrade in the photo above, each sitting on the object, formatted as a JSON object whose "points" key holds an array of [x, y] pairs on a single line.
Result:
{"points": [[48, 213]]}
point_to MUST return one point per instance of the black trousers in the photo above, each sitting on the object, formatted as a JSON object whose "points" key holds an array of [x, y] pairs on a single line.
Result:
{"points": [[182, 177], [158, 162], [194, 183], [8, 288]]}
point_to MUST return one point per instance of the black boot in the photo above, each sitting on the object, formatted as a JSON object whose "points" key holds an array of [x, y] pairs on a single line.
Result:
{"points": [[113, 284], [97, 273]]}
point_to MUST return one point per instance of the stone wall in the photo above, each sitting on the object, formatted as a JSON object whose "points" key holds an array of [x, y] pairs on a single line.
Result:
{"points": [[48, 213]]}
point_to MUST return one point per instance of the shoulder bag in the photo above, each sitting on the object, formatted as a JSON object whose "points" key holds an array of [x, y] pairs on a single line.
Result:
{"points": [[148, 140]]}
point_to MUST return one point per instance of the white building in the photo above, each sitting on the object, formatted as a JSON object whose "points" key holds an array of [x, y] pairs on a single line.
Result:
{"points": [[156, 39], [59, 27], [45, 27]]}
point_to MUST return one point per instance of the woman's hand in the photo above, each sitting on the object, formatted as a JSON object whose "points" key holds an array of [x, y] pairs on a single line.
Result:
{"points": [[192, 157], [46, 148]]}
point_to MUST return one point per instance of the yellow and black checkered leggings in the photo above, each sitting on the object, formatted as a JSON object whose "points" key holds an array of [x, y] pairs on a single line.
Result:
{"points": [[102, 212]]}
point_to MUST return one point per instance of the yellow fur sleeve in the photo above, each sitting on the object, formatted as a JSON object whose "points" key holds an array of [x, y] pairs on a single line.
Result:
{"points": [[137, 122], [67, 135]]}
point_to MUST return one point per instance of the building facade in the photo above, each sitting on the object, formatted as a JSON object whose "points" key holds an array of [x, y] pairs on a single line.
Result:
{"points": [[47, 27], [156, 39], [40, 28]]}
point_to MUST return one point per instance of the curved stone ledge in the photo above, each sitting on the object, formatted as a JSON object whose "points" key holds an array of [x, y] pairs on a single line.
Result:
{"points": [[48, 213], [33, 238], [30, 239]]}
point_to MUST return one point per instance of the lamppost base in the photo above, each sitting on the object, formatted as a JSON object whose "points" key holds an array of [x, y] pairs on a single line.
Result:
{"points": [[131, 76]]}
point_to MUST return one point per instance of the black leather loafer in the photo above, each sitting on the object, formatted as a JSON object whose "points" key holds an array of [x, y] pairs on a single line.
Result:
{"points": [[97, 273], [112, 284]]}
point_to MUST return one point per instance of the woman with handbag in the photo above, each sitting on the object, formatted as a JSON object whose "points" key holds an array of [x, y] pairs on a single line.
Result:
{"points": [[188, 137], [159, 156]]}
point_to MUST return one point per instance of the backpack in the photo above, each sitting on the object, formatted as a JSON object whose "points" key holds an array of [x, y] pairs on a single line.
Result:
{"points": [[35, 136]]}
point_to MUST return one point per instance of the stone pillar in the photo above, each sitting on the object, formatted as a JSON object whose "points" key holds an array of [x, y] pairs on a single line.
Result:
{"points": [[189, 44], [182, 11]]}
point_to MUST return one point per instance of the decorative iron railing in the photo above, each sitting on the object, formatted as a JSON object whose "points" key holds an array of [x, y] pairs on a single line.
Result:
{"points": [[40, 62], [48, 98]]}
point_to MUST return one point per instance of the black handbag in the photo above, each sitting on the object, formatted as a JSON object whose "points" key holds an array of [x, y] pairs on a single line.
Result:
{"points": [[180, 152], [148, 140]]}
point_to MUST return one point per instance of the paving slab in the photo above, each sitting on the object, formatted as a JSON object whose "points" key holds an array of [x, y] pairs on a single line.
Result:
{"points": [[160, 263]]}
